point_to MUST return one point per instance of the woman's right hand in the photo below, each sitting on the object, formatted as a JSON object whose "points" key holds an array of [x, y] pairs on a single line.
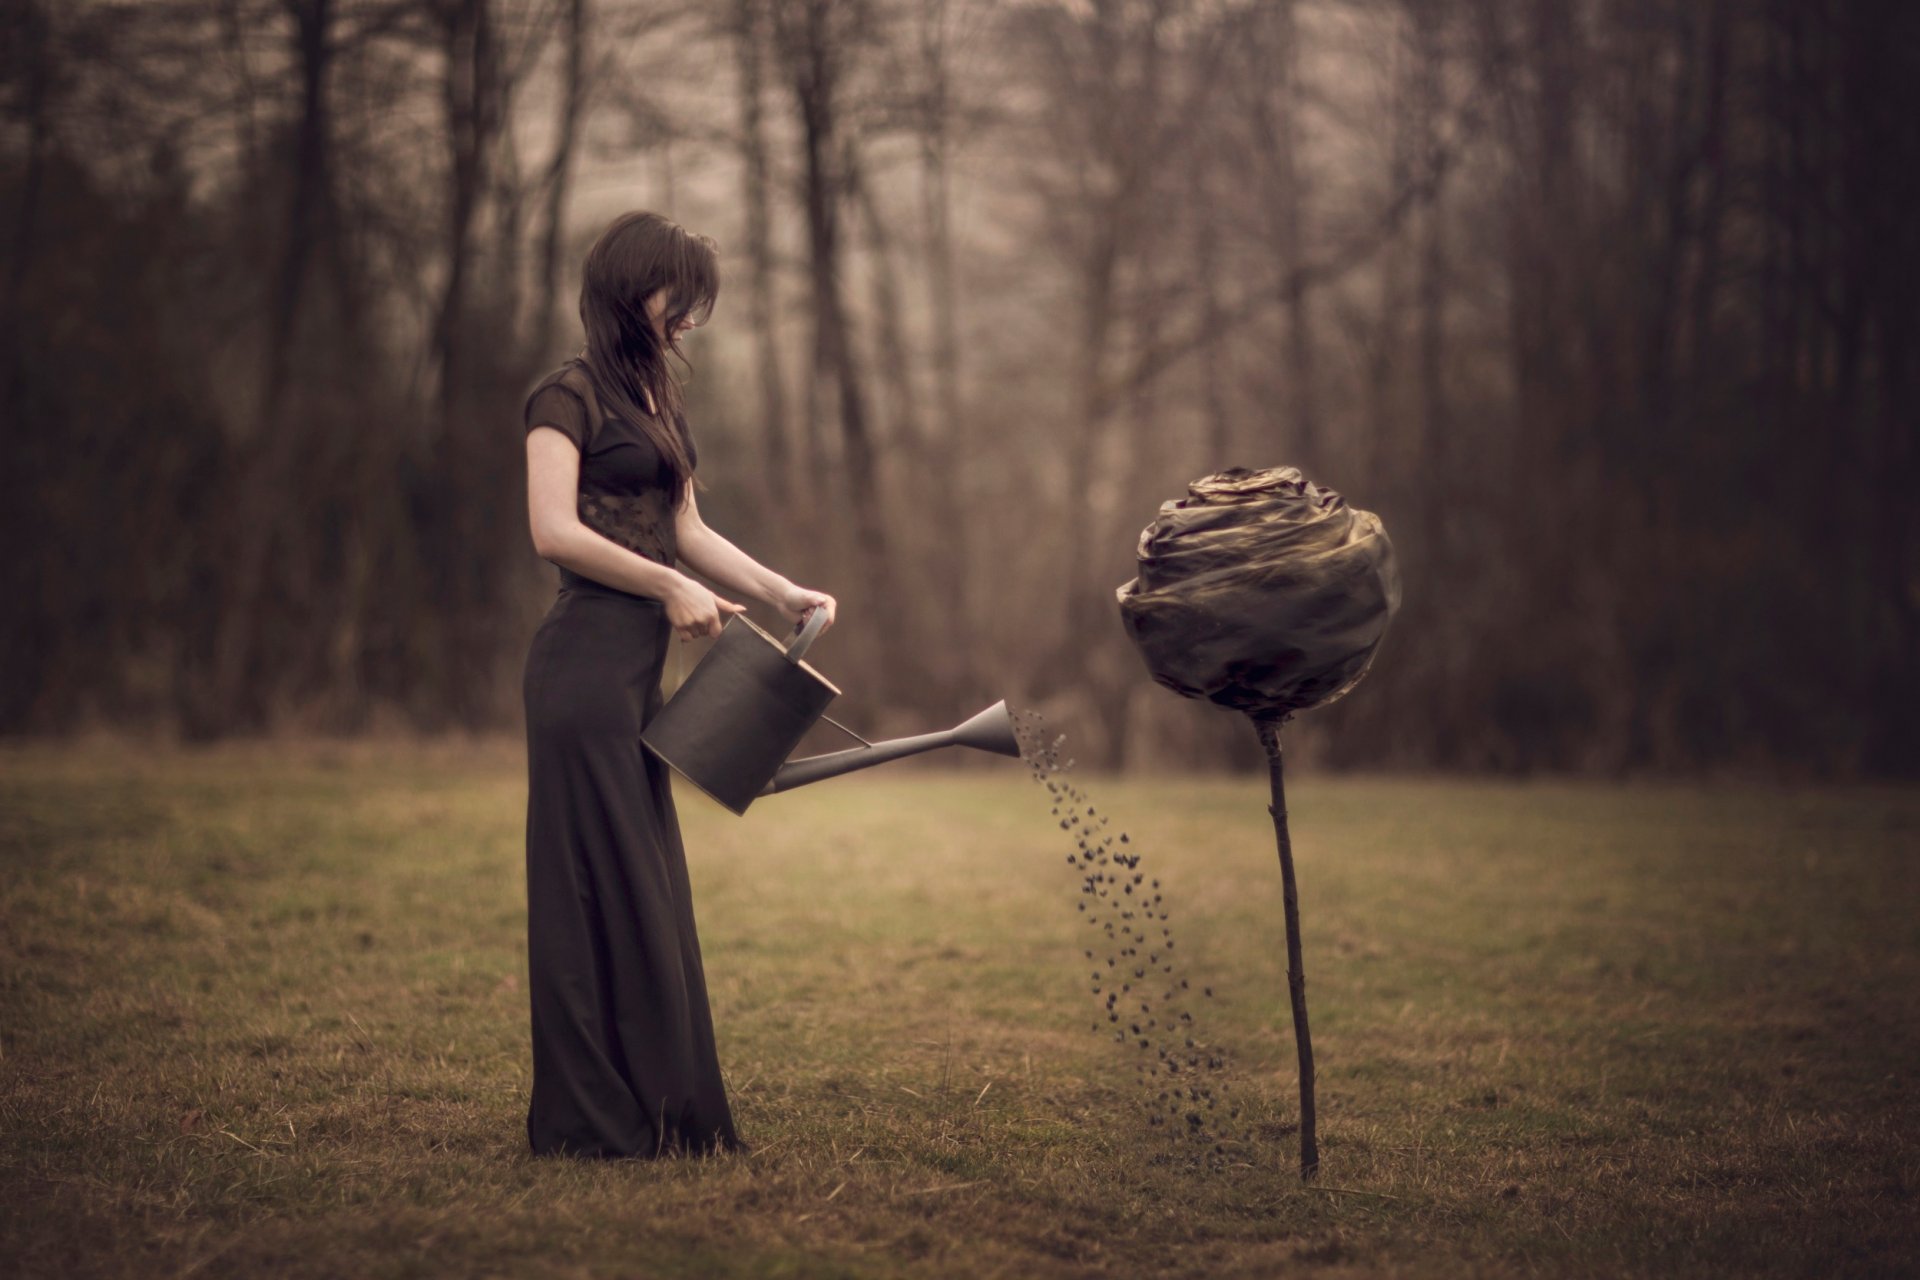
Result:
{"points": [[695, 611]]}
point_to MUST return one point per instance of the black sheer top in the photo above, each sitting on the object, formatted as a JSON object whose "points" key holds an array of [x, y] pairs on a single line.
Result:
{"points": [[626, 492]]}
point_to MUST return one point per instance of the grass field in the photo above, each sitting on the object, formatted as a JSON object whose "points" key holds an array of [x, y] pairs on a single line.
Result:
{"points": [[263, 1012]]}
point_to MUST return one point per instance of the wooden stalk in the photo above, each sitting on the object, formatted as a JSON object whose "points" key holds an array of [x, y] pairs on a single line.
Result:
{"points": [[1269, 730]]}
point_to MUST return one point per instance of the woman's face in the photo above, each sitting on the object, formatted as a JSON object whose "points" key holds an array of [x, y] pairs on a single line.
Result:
{"points": [[657, 307]]}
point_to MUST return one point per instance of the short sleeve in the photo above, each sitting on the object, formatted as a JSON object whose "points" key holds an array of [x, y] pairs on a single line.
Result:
{"points": [[561, 409]]}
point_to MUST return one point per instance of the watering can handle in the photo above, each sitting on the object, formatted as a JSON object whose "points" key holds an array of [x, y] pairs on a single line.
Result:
{"points": [[803, 636]]}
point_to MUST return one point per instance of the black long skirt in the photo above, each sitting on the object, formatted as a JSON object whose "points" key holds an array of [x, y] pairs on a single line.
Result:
{"points": [[623, 1050]]}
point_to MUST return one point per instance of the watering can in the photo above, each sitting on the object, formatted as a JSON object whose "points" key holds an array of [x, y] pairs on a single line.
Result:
{"points": [[750, 700]]}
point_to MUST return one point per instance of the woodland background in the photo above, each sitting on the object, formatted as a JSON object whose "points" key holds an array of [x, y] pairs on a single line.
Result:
{"points": [[1607, 307]]}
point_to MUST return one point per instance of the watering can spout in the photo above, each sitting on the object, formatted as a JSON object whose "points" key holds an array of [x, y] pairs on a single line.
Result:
{"points": [[990, 730], [730, 725]]}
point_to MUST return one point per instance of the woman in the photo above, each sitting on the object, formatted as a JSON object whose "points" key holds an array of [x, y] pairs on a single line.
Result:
{"points": [[623, 1051]]}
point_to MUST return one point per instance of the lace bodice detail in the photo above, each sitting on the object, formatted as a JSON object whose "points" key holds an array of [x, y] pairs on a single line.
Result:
{"points": [[640, 522]]}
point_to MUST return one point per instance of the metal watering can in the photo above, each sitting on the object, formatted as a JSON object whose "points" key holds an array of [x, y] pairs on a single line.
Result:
{"points": [[749, 701]]}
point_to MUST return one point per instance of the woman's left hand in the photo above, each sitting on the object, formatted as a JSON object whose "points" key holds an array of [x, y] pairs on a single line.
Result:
{"points": [[795, 603]]}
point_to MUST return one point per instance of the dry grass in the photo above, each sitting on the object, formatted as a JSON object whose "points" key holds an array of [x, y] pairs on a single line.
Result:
{"points": [[264, 1012]]}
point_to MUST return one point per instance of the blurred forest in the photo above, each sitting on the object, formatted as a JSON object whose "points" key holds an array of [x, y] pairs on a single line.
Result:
{"points": [[1609, 309]]}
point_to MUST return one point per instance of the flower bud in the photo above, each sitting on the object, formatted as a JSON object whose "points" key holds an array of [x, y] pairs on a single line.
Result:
{"points": [[1261, 591]]}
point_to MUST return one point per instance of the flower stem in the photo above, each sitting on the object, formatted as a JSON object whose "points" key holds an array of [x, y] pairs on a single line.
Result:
{"points": [[1269, 730]]}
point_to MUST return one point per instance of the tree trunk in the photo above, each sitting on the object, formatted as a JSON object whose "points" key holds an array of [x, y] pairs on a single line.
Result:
{"points": [[1436, 424], [462, 588], [813, 47], [1706, 275], [573, 95], [1215, 364], [1299, 393], [1084, 599], [950, 461], [33, 42], [749, 22], [310, 205], [903, 426], [231, 695], [473, 119]]}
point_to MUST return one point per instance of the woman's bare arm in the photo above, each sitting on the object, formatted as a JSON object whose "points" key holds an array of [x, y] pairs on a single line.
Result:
{"points": [[553, 482], [707, 552]]}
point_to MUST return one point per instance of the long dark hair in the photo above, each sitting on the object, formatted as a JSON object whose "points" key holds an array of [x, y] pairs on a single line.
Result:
{"points": [[636, 255]]}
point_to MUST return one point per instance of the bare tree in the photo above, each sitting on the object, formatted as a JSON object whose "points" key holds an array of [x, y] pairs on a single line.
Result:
{"points": [[748, 31], [817, 38], [559, 176], [1273, 102]]}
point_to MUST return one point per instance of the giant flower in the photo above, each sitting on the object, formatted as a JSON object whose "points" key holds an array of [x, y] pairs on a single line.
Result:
{"points": [[1261, 591], [1268, 594]]}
